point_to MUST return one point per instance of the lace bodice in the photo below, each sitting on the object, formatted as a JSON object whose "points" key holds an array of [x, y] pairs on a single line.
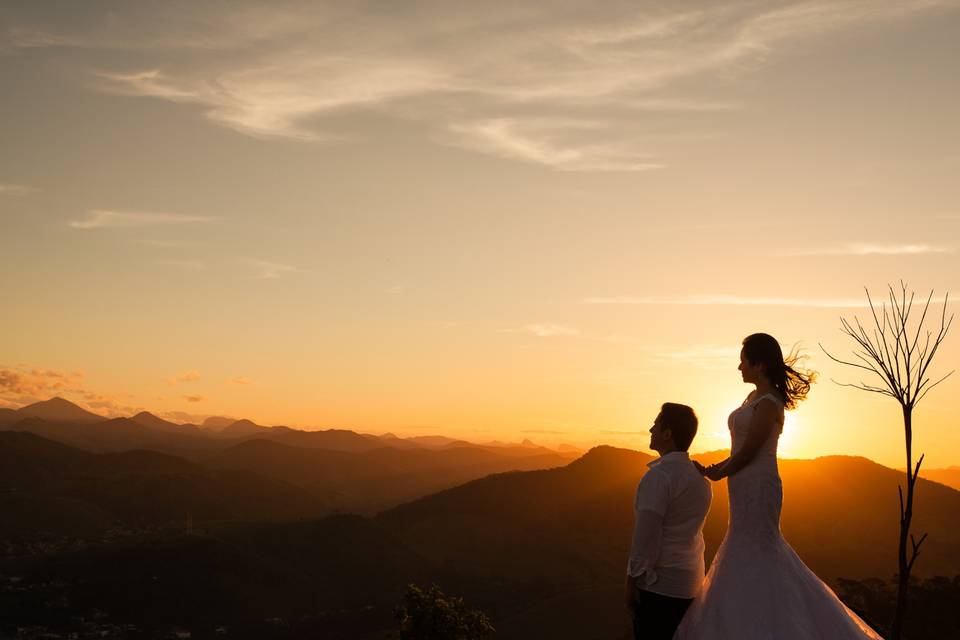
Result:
{"points": [[739, 425]]}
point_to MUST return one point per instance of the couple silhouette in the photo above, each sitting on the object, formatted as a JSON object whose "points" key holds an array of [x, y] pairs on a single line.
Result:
{"points": [[757, 586]]}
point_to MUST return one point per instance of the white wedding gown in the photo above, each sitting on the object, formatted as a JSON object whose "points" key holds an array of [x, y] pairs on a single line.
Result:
{"points": [[757, 587]]}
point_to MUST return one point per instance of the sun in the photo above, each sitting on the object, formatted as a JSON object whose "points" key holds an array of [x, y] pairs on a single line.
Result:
{"points": [[792, 425]]}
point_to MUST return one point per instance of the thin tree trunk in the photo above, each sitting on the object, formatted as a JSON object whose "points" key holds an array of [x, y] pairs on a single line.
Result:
{"points": [[906, 515]]}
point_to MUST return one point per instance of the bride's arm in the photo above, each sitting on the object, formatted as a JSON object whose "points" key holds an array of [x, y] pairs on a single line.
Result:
{"points": [[762, 424]]}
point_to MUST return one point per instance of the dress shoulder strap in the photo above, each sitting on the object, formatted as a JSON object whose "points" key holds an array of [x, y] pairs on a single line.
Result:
{"points": [[772, 396]]}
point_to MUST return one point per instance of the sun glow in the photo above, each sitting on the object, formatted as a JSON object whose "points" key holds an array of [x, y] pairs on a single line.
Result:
{"points": [[792, 424]]}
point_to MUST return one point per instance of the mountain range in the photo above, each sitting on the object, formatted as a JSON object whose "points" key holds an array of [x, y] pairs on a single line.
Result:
{"points": [[541, 548], [339, 470]]}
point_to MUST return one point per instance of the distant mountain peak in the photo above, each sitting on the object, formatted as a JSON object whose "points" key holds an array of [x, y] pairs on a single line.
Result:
{"points": [[218, 423], [59, 409]]}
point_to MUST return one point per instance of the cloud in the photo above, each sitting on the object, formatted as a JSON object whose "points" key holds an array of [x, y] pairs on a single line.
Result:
{"points": [[38, 382], [241, 380], [545, 330], [194, 398], [521, 82], [16, 190], [186, 376], [873, 250], [105, 219], [22, 385], [166, 244], [190, 265], [266, 269], [551, 143], [710, 357], [729, 300]]}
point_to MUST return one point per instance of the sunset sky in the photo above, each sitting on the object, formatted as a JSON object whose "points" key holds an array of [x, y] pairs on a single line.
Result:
{"points": [[485, 220]]}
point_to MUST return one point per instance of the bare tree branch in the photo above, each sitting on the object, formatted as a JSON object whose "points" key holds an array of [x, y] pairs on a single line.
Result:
{"points": [[894, 352]]}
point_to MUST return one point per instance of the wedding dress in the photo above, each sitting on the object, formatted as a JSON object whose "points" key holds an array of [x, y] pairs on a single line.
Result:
{"points": [[757, 587]]}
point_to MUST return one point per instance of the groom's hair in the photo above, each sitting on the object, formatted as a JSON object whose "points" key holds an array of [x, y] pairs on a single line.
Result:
{"points": [[682, 422]]}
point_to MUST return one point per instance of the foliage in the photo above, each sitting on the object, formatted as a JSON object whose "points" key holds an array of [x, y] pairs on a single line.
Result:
{"points": [[431, 615], [933, 605]]}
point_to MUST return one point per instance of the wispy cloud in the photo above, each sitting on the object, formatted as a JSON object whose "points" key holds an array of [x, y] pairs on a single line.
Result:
{"points": [[857, 249], [186, 376], [165, 244], [549, 142], [190, 265], [266, 269], [710, 357], [38, 381], [16, 190], [106, 219], [545, 330], [242, 380], [194, 398], [729, 300], [23, 384], [521, 82]]}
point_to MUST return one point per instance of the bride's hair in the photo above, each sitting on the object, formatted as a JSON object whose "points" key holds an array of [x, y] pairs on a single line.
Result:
{"points": [[791, 382]]}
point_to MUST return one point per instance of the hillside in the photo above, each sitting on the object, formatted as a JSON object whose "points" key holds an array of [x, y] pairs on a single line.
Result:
{"points": [[369, 481], [564, 533], [542, 551], [50, 491]]}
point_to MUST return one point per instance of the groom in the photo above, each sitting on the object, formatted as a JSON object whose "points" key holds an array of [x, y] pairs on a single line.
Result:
{"points": [[665, 570]]}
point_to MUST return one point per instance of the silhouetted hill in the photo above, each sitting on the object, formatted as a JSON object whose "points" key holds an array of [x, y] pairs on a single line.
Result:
{"points": [[949, 476], [242, 428], [368, 481], [133, 488], [57, 409], [217, 423], [117, 434], [543, 552], [147, 419], [564, 533]]}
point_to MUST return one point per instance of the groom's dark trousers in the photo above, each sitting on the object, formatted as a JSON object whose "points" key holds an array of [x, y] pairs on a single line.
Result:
{"points": [[656, 617]]}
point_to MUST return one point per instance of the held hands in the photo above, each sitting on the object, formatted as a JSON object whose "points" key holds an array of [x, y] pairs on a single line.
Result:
{"points": [[714, 471]]}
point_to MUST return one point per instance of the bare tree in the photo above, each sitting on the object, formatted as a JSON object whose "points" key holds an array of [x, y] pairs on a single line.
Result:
{"points": [[900, 355]]}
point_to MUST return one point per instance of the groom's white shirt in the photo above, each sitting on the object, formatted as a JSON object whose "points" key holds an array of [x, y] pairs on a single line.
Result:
{"points": [[671, 504]]}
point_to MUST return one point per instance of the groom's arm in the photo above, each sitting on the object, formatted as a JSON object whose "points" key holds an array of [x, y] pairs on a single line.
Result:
{"points": [[650, 504]]}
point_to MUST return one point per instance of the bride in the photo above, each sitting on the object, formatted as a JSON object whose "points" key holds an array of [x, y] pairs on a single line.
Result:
{"points": [[757, 586]]}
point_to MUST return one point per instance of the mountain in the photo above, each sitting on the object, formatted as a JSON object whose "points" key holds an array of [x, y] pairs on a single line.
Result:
{"points": [[57, 409], [330, 439], [147, 419], [369, 481], [542, 552], [49, 489], [8, 416], [561, 536], [118, 434], [217, 423], [242, 428], [949, 476]]}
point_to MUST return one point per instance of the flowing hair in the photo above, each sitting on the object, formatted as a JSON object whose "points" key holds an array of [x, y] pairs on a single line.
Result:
{"points": [[791, 382]]}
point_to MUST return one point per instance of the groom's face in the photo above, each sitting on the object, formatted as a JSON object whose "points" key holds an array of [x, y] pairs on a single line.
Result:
{"points": [[660, 436]]}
